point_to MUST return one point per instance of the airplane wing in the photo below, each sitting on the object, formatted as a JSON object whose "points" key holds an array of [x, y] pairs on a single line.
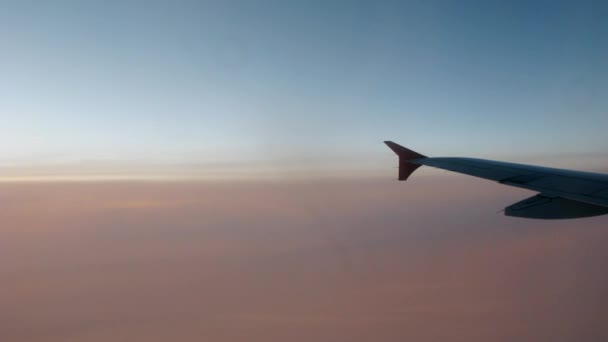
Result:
{"points": [[562, 193]]}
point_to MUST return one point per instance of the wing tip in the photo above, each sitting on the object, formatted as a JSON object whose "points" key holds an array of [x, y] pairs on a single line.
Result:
{"points": [[403, 152], [405, 168]]}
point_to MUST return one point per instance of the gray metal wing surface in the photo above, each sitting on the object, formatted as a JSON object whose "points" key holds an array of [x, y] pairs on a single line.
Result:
{"points": [[562, 193]]}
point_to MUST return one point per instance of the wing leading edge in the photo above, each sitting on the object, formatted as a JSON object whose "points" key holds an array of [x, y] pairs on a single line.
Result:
{"points": [[563, 193]]}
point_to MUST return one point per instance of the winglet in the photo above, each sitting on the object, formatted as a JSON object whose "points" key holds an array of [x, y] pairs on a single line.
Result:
{"points": [[405, 167]]}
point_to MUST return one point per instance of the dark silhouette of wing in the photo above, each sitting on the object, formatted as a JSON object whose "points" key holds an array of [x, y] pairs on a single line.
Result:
{"points": [[563, 193]]}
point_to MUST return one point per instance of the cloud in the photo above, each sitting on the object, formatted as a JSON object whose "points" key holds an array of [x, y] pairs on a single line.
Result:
{"points": [[266, 261]]}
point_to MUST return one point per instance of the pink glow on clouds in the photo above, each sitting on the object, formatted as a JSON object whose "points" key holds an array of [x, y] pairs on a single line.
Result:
{"points": [[308, 261]]}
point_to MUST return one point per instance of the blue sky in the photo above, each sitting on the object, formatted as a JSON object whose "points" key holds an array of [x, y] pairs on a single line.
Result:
{"points": [[228, 81]]}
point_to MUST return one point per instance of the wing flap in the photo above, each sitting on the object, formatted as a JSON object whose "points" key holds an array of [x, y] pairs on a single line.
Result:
{"points": [[562, 184], [547, 207]]}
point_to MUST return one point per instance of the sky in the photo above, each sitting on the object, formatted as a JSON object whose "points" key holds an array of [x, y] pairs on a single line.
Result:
{"points": [[178, 89], [173, 98]]}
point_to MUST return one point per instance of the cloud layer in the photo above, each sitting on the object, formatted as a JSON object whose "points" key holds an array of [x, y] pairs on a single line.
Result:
{"points": [[308, 261]]}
